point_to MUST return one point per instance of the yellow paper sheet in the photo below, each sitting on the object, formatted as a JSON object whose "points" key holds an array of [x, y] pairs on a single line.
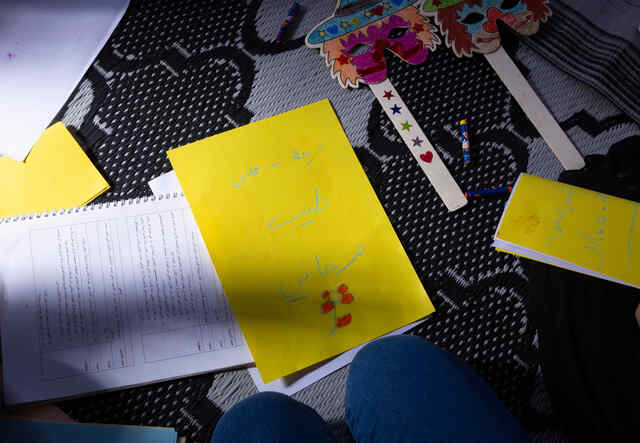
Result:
{"points": [[55, 175], [573, 228], [287, 213]]}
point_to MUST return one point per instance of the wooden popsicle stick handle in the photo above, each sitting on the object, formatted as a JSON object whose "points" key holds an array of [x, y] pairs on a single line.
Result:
{"points": [[537, 112], [419, 145]]}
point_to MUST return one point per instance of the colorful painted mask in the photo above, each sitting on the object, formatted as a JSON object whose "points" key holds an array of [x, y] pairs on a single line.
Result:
{"points": [[471, 25], [356, 38], [355, 42]]}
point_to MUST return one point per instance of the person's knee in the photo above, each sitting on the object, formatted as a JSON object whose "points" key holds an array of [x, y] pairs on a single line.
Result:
{"points": [[271, 417], [404, 388], [268, 400], [400, 350], [273, 404], [390, 365]]}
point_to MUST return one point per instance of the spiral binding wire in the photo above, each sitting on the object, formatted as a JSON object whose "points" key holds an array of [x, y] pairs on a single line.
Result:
{"points": [[95, 207]]}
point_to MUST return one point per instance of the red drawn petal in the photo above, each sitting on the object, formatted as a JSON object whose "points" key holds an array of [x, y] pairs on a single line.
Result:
{"points": [[343, 288], [327, 306], [377, 10], [325, 294], [343, 321], [346, 298]]}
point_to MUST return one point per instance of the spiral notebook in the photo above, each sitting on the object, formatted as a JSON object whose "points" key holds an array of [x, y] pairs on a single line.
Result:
{"points": [[109, 296]]}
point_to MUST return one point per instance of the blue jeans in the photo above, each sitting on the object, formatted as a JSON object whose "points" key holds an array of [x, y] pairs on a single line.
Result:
{"points": [[399, 389]]}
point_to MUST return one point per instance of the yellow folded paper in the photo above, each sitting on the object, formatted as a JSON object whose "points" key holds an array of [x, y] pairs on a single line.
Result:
{"points": [[55, 175], [306, 255], [573, 228]]}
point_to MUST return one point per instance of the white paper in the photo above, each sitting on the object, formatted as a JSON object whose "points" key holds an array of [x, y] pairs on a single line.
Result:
{"points": [[46, 46], [293, 383], [111, 297], [165, 184]]}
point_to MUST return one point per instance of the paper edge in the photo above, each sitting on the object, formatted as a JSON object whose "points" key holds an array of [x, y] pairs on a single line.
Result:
{"points": [[254, 373], [506, 206], [532, 254]]}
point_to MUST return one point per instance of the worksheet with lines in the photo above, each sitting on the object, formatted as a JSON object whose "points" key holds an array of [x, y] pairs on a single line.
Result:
{"points": [[105, 297]]}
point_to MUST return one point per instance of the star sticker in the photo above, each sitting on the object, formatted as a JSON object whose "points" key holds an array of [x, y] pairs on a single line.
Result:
{"points": [[322, 33], [396, 109], [406, 126], [355, 21], [368, 14], [388, 95], [345, 25], [417, 142], [418, 28], [386, 6], [343, 59]]}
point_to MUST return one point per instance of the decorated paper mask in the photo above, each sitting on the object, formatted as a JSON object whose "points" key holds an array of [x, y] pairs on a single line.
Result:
{"points": [[354, 40], [470, 25]]}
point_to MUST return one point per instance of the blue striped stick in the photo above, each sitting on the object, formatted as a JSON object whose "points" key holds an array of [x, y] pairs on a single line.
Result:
{"points": [[488, 192]]}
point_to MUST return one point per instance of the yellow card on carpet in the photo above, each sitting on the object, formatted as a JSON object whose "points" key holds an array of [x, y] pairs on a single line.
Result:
{"points": [[573, 228], [56, 174], [304, 250]]}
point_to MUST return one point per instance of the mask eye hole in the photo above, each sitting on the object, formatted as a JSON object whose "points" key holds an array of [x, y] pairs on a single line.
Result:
{"points": [[508, 4], [359, 49], [397, 32], [473, 18]]}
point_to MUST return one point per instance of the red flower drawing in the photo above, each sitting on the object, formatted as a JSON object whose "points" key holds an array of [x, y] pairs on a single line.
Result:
{"points": [[343, 321], [327, 306], [332, 298], [346, 298]]}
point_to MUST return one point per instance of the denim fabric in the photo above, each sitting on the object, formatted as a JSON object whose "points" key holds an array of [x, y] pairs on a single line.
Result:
{"points": [[269, 417], [404, 389], [399, 389]]}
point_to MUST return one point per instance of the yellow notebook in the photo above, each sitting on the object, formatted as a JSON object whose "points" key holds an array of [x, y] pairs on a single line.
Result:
{"points": [[573, 228], [304, 250], [55, 175]]}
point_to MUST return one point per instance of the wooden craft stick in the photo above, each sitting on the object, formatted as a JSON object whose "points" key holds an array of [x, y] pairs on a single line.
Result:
{"points": [[535, 110], [419, 145]]}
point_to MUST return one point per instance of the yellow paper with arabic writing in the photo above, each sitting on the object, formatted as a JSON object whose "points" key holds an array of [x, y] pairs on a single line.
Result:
{"points": [[304, 250], [574, 228]]}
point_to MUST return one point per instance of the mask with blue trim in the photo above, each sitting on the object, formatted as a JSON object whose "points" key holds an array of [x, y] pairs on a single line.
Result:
{"points": [[357, 39], [471, 25]]}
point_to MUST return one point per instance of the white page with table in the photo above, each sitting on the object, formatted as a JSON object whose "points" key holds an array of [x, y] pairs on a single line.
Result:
{"points": [[108, 297]]}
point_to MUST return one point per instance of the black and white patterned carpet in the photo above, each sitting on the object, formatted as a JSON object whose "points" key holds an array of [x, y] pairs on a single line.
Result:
{"points": [[175, 72]]}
